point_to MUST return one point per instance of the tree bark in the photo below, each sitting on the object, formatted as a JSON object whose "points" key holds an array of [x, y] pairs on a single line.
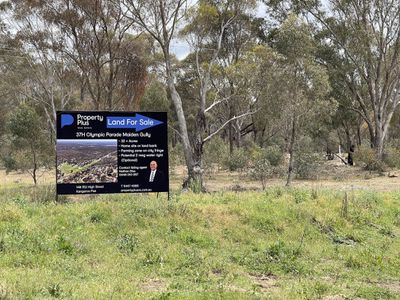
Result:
{"points": [[291, 152]]}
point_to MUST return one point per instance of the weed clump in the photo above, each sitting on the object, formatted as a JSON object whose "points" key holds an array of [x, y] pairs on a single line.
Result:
{"points": [[127, 243]]}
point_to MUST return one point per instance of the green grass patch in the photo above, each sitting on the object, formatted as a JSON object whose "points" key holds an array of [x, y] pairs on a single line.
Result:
{"points": [[67, 168], [278, 244]]}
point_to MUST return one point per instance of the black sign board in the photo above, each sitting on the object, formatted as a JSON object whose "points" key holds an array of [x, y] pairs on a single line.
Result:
{"points": [[111, 152]]}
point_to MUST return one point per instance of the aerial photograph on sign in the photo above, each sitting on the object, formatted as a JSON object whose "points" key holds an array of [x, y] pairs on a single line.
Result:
{"points": [[87, 161]]}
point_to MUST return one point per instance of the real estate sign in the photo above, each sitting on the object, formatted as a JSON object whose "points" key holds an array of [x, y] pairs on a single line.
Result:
{"points": [[111, 152]]}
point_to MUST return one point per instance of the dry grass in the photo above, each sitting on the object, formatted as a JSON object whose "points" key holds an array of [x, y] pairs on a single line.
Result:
{"points": [[333, 175], [17, 179]]}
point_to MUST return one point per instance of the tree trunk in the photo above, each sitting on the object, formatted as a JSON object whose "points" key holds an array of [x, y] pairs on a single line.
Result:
{"points": [[238, 137], [192, 155], [195, 178], [194, 181], [230, 133], [34, 176], [291, 152], [359, 134], [379, 143], [348, 136]]}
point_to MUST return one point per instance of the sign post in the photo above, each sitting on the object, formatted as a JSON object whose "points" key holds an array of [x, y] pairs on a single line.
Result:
{"points": [[111, 152]]}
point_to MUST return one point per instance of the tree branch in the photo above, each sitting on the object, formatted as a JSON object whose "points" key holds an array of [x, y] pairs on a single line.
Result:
{"points": [[227, 122]]}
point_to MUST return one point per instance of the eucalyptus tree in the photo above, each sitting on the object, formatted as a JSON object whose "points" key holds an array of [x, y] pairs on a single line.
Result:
{"points": [[93, 37], [160, 19], [203, 33], [304, 85], [366, 36], [31, 149]]}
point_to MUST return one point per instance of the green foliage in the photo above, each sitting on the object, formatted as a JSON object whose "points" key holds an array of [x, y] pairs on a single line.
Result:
{"points": [[265, 163], [155, 97], [274, 155], [205, 244], [127, 243], [392, 156], [31, 147], [54, 290], [9, 162], [306, 162], [100, 215], [238, 160], [214, 150], [64, 245], [261, 170], [366, 155]]}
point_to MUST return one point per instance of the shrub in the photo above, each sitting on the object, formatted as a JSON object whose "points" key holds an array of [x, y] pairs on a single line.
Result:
{"points": [[367, 156], [238, 161], [274, 155], [306, 165], [306, 161], [265, 162], [214, 150], [127, 243], [261, 170], [392, 157]]}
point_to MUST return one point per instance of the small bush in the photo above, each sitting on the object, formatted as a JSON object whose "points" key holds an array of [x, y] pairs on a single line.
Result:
{"points": [[261, 170], [306, 161], [54, 290], [367, 156], [153, 256], [306, 165], [300, 195], [392, 157], [127, 243], [100, 215], [265, 163], [43, 193], [65, 246], [274, 155], [213, 151], [238, 161]]}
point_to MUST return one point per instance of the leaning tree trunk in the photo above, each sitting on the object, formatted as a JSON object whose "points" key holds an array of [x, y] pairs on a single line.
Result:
{"points": [[291, 152], [187, 148]]}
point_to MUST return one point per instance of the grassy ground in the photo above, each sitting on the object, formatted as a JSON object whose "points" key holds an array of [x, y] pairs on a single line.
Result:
{"points": [[279, 244], [340, 177]]}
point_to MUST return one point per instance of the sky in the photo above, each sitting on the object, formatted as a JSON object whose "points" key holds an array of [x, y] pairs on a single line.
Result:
{"points": [[181, 48]]}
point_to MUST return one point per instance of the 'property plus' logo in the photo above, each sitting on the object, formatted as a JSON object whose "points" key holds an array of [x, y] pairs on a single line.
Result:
{"points": [[66, 120]]}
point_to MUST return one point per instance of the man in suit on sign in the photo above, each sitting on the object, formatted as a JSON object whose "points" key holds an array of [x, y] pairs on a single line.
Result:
{"points": [[155, 177]]}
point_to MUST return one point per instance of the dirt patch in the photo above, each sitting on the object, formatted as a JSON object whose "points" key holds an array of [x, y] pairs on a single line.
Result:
{"points": [[390, 285], [265, 281], [234, 288], [336, 297], [153, 285]]}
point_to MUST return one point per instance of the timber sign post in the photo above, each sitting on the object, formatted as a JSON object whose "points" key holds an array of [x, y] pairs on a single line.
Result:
{"points": [[111, 152]]}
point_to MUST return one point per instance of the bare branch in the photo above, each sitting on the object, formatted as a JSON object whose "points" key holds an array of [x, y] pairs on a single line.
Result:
{"points": [[227, 122], [217, 102]]}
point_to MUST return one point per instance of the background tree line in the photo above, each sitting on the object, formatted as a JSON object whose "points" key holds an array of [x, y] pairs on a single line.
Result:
{"points": [[270, 94]]}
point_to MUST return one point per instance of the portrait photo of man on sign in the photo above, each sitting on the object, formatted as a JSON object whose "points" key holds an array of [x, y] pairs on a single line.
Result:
{"points": [[154, 176]]}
